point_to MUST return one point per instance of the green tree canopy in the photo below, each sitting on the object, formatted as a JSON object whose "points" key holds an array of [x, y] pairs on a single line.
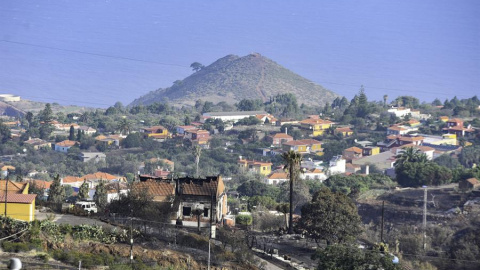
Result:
{"points": [[83, 191], [330, 216], [100, 196], [56, 194]]}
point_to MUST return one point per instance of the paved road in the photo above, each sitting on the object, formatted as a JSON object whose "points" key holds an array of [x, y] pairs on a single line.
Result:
{"points": [[71, 219]]}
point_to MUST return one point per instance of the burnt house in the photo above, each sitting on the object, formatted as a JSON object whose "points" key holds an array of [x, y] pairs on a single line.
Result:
{"points": [[206, 195]]}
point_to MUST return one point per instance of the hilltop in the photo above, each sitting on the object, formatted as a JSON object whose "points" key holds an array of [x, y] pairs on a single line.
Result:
{"points": [[233, 78]]}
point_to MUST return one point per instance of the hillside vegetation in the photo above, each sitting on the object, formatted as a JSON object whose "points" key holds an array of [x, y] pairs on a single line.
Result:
{"points": [[233, 78]]}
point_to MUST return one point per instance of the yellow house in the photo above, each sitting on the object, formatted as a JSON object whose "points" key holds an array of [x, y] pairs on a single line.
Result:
{"points": [[371, 150], [317, 126], [263, 168], [413, 123], [444, 118], [312, 145], [157, 132], [19, 206], [297, 146], [345, 131]]}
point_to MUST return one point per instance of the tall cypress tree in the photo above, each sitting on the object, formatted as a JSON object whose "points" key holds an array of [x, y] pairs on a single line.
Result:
{"points": [[83, 191], [100, 196], [57, 192], [71, 137]]}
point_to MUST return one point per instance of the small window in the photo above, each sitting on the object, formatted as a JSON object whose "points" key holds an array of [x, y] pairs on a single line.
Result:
{"points": [[205, 212], [187, 211]]}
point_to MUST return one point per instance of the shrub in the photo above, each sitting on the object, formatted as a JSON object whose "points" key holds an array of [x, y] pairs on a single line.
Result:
{"points": [[243, 219], [16, 247]]}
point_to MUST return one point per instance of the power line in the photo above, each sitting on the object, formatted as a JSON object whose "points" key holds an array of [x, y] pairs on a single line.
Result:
{"points": [[183, 66], [93, 54]]}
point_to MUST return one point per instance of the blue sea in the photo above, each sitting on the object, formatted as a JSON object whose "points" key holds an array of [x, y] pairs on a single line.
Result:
{"points": [[95, 53]]}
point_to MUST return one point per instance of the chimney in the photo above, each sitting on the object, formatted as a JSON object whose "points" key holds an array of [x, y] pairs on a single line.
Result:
{"points": [[367, 169], [286, 130], [240, 157]]}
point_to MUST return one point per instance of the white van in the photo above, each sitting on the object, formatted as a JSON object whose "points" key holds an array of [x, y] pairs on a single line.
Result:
{"points": [[89, 207]]}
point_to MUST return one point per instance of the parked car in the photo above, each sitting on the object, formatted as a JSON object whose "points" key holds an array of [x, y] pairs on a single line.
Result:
{"points": [[89, 207]]}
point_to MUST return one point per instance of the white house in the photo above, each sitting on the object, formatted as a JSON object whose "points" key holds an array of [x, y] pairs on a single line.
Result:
{"points": [[337, 165], [231, 116], [313, 174], [64, 146], [399, 111]]}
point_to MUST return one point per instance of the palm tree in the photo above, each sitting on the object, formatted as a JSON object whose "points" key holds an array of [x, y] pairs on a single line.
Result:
{"points": [[197, 151], [292, 161], [123, 126], [385, 97], [410, 154]]}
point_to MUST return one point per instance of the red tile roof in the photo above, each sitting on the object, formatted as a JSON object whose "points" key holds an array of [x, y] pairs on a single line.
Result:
{"points": [[71, 179], [354, 149], [13, 187], [310, 141], [66, 143], [344, 129], [154, 188], [254, 162], [397, 128], [18, 198], [281, 136], [293, 143], [278, 175], [100, 176]]}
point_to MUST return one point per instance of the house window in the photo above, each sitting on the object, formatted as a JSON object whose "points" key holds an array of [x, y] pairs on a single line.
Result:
{"points": [[205, 212], [187, 211]]}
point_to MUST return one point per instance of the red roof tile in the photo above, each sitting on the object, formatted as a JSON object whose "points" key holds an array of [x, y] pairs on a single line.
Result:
{"points": [[13, 187], [18, 198], [66, 143], [354, 149], [154, 188]]}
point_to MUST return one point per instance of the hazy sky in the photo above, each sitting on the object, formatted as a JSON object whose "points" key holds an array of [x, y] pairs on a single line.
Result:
{"points": [[422, 48]]}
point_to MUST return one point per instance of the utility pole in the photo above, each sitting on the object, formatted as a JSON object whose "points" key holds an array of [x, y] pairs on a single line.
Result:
{"points": [[425, 218], [212, 229], [383, 212], [131, 238], [6, 193]]}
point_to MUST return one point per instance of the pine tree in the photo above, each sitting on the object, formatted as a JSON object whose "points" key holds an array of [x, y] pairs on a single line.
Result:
{"points": [[46, 115], [57, 192]]}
